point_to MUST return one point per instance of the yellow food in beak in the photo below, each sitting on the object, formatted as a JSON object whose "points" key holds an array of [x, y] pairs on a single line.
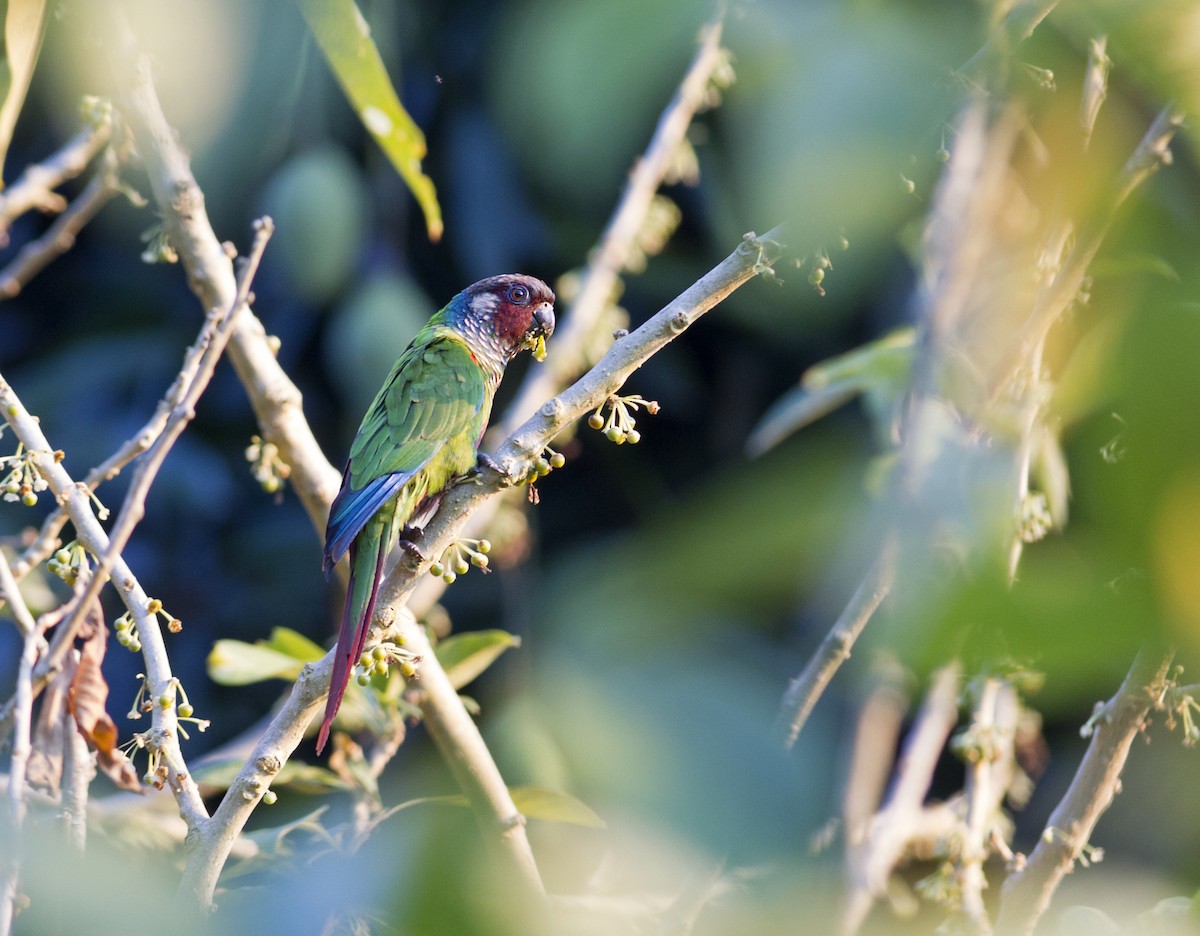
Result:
{"points": [[539, 348]]}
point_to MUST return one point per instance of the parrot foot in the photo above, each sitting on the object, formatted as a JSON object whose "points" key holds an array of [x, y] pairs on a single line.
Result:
{"points": [[411, 550], [485, 461]]}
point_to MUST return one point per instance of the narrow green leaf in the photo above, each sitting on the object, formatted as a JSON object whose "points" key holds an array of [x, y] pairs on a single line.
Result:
{"points": [[532, 802], [294, 644], [345, 39], [237, 663], [24, 23], [465, 656], [298, 777]]}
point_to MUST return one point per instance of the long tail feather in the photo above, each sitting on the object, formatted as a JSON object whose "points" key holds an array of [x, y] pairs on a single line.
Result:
{"points": [[366, 569]]}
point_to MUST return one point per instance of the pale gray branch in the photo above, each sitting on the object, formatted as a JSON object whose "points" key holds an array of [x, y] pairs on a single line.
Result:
{"points": [[1027, 893]]}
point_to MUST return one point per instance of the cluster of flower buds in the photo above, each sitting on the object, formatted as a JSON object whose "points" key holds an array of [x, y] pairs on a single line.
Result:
{"points": [[23, 482], [1034, 521], [268, 468], [378, 660], [459, 556], [127, 629], [619, 426], [69, 561]]}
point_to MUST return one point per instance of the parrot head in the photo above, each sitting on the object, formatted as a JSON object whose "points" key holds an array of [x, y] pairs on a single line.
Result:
{"points": [[507, 314]]}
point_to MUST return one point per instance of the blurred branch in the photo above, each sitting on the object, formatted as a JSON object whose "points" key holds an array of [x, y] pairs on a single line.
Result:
{"points": [[904, 817], [1027, 893], [60, 236], [804, 691], [35, 189], [22, 721], [608, 259], [988, 747], [276, 401], [77, 499]]}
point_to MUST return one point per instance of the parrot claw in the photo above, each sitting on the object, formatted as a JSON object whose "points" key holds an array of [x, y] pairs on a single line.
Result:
{"points": [[411, 549], [485, 461]]}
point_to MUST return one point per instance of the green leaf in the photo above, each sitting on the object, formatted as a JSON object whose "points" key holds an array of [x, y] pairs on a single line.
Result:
{"points": [[532, 802], [237, 663], [465, 656], [345, 38], [24, 23], [299, 777]]}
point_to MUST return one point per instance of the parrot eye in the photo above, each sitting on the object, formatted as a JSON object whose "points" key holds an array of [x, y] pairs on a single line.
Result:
{"points": [[518, 294]]}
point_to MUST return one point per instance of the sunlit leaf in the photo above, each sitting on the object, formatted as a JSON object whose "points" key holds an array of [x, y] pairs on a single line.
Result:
{"points": [[298, 777], [24, 25], [237, 663], [345, 37], [465, 656], [532, 802]]}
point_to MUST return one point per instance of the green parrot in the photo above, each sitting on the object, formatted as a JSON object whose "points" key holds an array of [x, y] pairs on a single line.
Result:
{"points": [[420, 434]]}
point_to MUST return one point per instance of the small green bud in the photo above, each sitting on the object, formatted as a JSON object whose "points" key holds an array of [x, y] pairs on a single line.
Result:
{"points": [[943, 155], [63, 556], [437, 569], [148, 778], [408, 668], [613, 434], [12, 409], [449, 578], [12, 488], [186, 710], [153, 606], [557, 460], [379, 653], [633, 437], [166, 700], [29, 498], [461, 567], [479, 561], [364, 679], [485, 546], [541, 466], [817, 276], [269, 797], [135, 645], [365, 661], [596, 421]]}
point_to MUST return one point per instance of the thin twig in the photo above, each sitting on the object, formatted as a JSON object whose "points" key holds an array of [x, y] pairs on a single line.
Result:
{"points": [[34, 189], [60, 236], [806, 689], [574, 332], [78, 771], [1027, 893], [77, 500], [870, 863], [21, 743]]}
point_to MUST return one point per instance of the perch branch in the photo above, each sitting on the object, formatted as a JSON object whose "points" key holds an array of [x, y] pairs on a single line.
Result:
{"points": [[443, 710], [1027, 893]]}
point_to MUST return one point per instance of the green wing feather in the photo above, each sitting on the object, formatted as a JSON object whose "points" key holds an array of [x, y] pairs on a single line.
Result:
{"points": [[435, 392]]}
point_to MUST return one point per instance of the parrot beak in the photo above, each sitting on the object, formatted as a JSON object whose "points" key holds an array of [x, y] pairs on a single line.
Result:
{"points": [[543, 328]]}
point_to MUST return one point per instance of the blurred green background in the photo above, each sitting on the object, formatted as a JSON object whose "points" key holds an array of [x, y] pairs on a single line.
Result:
{"points": [[672, 588]]}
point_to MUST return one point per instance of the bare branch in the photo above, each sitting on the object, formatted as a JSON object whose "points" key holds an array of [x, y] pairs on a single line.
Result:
{"points": [[60, 236], [903, 818], [608, 259], [445, 716], [1027, 893], [806, 689], [21, 741], [76, 498], [276, 401], [34, 189]]}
